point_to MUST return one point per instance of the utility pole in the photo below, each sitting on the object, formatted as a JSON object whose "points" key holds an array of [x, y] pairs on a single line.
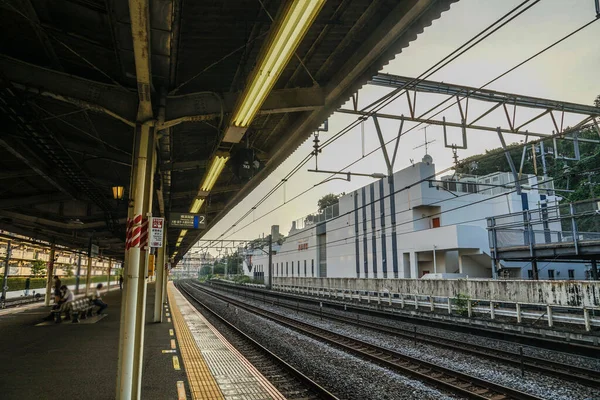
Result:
{"points": [[5, 281], [270, 277], [50, 274]]}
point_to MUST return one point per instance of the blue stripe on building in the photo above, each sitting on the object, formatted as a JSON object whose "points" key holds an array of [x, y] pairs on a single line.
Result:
{"points": [[394, 237], [383, 238], [364, 214], [356, 234], [373, 220]]}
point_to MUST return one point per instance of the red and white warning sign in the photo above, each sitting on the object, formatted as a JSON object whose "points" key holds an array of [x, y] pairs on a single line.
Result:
{"points": [[156, 232]]}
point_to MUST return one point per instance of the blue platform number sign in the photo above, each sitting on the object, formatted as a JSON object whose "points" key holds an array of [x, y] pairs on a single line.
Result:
{"points": [[187, 221]]}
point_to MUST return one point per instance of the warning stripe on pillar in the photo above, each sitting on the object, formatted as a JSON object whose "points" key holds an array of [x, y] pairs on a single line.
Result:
{"points": [[128, 231], [134, 240], [144, 234]]}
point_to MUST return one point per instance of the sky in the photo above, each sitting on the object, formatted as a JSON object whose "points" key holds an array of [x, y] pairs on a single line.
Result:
{"points": [[568, 72]]}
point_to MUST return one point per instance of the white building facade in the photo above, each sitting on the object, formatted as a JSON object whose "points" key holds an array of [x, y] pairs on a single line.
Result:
{"points": [[405, 227]]}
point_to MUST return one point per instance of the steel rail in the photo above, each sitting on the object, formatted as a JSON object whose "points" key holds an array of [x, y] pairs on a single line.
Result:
{"points": [[446, 378], [564, 371], [312, 386]]}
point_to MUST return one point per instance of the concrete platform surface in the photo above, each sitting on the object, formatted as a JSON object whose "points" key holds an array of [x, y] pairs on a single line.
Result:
{"points": [[79, 361]]}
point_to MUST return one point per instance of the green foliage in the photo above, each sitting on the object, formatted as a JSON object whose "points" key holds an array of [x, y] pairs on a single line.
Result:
{"points": [[234, 262], [38, 268], [462, 303], [327, 200], [69, 270], [241, 279], [18, 283], [206, 271], [597, 101]]}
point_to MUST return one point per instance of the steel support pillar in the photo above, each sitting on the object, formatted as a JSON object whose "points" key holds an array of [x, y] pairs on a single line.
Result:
{"points": [[166, 275], [88, 275], [131, 343], [109, 270], [78, 277], [534, 270], [49, 275], [160, 276]]}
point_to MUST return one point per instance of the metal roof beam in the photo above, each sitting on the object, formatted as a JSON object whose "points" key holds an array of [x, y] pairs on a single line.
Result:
{"points": [[32, 200], [396, 81], [84, 93], [399, 28], [184, 165], [278, 101], [37, 167]]}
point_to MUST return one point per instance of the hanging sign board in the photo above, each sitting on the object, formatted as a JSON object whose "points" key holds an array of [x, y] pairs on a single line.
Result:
{"points": [[157, 229], [187, 221], [94, 250]]}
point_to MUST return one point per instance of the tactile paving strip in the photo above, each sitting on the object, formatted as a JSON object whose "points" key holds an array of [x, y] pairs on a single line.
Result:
{"points": [[236, 377], [202, 383]]}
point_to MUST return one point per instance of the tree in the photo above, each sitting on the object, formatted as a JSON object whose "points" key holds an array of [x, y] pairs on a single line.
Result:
{"points": [[327, 200], [597, 101], [69, 270], [233, 263], [38, 268]]}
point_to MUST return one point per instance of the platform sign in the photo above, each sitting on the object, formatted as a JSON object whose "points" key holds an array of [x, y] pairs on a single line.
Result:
{"points": [[187, 221], [94, 250], [157, 229]]}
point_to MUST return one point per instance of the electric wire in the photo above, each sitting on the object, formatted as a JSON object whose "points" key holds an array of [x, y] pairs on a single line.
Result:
{"points": [[448, 169], [451, 56]]}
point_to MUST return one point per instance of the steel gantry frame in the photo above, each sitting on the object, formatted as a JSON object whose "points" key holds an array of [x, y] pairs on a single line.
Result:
{"points": [[461, 95]]}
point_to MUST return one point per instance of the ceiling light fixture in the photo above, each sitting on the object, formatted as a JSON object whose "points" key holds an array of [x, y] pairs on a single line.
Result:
{"points": [[286, 34], [117, 192]]}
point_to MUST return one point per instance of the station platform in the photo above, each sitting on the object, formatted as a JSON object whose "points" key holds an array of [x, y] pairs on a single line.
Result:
{"points": [[184, 357]]}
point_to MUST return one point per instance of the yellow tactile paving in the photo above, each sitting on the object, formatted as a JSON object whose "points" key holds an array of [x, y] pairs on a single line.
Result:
{"points": [[202, 383]]}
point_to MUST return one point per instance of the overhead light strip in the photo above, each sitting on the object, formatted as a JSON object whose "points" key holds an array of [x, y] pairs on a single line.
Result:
{"points": [[282, 44]]}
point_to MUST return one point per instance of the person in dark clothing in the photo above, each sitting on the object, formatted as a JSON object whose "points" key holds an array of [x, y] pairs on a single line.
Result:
{"points": [[57, 284], [98, 300], [27, 285], [120, 281]]}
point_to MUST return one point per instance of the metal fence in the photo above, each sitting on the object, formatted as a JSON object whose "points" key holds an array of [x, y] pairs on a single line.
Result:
{"points": [[321, 216], [561, 224]]}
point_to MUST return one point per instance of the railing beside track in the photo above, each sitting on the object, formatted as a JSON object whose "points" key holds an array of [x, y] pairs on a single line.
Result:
{"points": [[521, 312]]}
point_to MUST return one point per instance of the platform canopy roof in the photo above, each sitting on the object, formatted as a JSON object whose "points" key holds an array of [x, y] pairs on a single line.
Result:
{"points": [[71, 88]]}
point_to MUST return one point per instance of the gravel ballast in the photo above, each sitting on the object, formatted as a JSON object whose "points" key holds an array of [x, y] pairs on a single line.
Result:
{"points": [[533, 383]]}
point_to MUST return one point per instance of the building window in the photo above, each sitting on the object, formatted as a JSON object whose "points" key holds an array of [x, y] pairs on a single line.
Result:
{"points": [[298, 268], [304, 267], [551, 274], [530, 274], [571, 274], [292, 268], [435, 222], [312, 267], [286, 269]]}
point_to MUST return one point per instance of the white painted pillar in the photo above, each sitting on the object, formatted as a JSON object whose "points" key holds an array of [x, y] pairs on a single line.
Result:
{"points": [[449, 305], [414, 265], [492, 310], [549, 312], [518, 313], [586, 319], [432, 305], [470, 308]]}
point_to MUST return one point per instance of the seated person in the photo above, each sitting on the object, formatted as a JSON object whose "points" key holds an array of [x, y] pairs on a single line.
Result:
{"points": [[66, 299], [97, 300]]}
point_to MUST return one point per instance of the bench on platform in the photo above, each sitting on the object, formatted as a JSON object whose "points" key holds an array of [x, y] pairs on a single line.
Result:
{"points": [[80, 308]]}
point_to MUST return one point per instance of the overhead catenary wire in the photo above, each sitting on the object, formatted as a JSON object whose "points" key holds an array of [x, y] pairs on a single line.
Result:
{"points": [[482, 156], [450, 97], [452, 56]]}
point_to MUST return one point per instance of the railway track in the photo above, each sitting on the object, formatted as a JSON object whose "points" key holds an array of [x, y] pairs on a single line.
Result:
{"points": [[292, 383], [441, 377], [530, 363]]}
